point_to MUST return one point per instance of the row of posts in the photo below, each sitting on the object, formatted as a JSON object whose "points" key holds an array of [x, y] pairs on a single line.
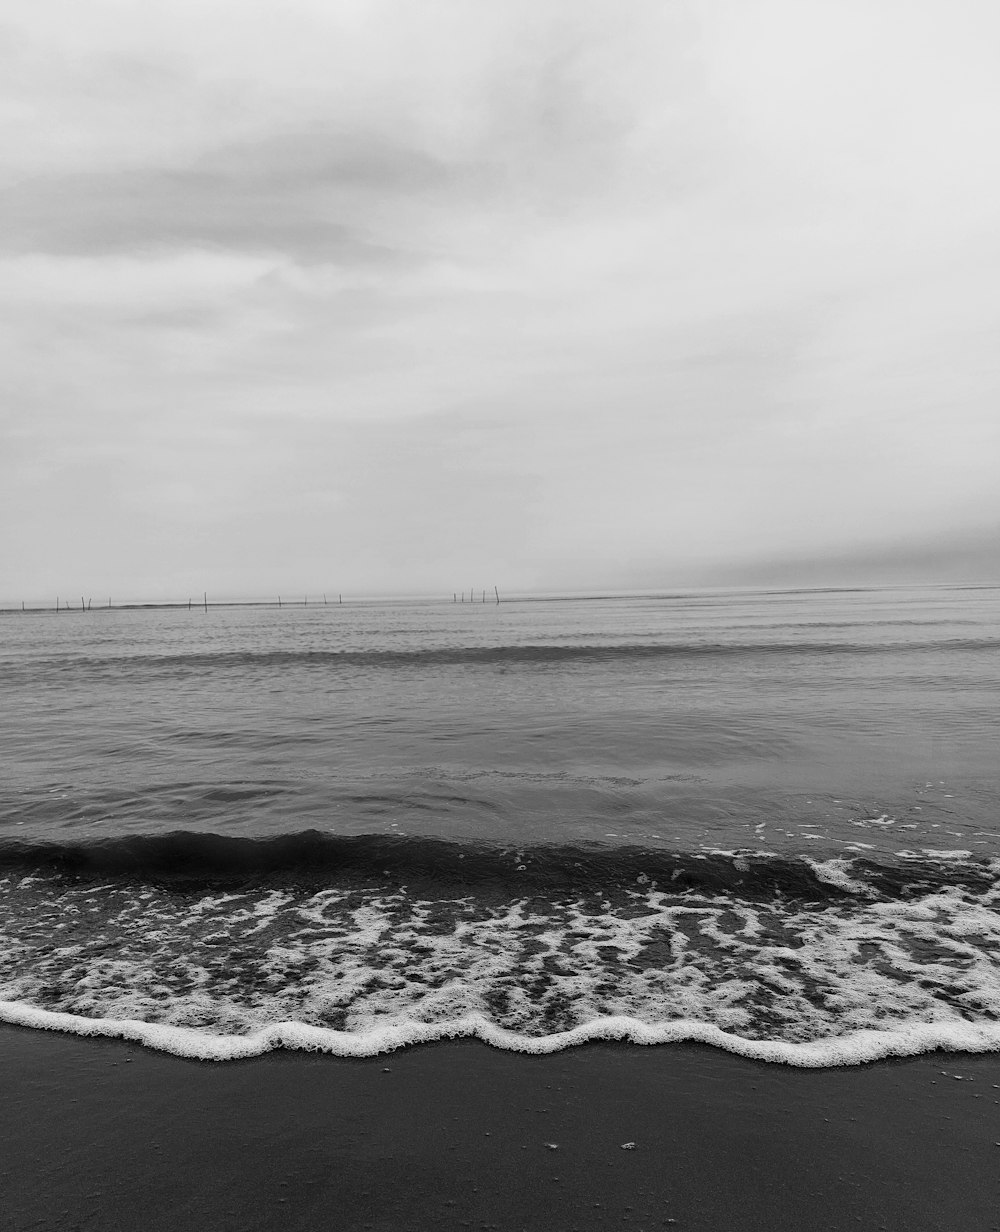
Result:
{"points": [[86, 606], [456, 598]]}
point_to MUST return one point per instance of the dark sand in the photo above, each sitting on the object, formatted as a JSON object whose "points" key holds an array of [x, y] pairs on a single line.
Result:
{"points": [[99, 1134]]}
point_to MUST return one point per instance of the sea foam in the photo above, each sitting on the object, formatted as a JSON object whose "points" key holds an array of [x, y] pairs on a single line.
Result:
{"points": [[856, 1048], [843, 965]]}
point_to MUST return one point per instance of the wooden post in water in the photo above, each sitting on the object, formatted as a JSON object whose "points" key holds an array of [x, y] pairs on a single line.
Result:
{"points": [[206, 600], [83, 606], [279, 600], [340, 597], [189, 604], [89, 603], [57, 603], [497, 593], [324, 600]]}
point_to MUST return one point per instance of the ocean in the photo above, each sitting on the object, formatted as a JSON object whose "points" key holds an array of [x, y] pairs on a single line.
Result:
{"points": [[767, 821]]}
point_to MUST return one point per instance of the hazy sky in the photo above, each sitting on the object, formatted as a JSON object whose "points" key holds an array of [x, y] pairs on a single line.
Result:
{"points": [[351, 295]]}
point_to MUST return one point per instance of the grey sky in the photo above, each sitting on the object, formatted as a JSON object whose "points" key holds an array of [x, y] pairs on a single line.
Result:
{"points": [[404, 296]]}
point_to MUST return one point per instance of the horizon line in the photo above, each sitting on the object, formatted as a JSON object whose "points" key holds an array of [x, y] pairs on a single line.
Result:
{"points": [[37, 606]]}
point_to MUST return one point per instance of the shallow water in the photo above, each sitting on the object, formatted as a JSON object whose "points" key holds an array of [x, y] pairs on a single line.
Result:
{"points": [[772, 816]]}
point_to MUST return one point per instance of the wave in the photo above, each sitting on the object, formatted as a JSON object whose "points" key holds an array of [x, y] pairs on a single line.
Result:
{"points": [[502, 656], [318, 858], [219, 947], [857, 1048]]}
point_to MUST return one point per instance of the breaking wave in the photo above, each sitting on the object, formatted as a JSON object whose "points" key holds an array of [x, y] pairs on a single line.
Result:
{"points": [[219, 947], [315, 857]]}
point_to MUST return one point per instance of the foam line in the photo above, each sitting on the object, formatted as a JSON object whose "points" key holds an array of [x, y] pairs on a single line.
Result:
{"points": [[855, 1048]]}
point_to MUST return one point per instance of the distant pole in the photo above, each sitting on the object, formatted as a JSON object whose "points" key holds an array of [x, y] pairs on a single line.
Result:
{"points": [[109, 602], [206, 600], [83, 606], [189, 604], [454, 596], [497, 593], [305, 601], [324, 600], [340, 598], [89, 602], [484, 596], [22, 605], [279, 600], [57, 603]]}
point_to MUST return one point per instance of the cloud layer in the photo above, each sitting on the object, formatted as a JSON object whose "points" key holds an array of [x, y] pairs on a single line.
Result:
{"points": [[376, 296]]}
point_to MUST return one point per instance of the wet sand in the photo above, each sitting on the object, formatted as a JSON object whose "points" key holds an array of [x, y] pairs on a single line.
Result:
{"points": [[102, 1135]]}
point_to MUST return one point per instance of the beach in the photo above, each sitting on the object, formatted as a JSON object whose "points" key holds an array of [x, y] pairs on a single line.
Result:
{"points": [[596, 913], [101, 1134], [500, 617]]}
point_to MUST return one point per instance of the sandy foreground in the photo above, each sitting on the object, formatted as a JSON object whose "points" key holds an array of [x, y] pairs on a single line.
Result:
{"points": [[100, 1134]]}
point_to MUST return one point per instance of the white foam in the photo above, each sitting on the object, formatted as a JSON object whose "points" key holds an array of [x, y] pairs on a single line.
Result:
{"points": [[834, 872], [856, 1048], [358, 973]]}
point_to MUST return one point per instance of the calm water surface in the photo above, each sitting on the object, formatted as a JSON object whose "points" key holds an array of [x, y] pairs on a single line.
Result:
{"points": [[699, 719]]}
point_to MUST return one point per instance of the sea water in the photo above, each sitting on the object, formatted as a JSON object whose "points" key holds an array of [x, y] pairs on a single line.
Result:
{"points": [[768, 821]]}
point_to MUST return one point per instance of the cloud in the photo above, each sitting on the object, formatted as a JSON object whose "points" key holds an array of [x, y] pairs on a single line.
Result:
{"points": [[296, 195], [386, 291]]}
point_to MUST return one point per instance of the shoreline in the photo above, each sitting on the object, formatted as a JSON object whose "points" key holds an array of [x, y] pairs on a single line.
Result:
{"points": [[861, 1047], [103, 1134]]}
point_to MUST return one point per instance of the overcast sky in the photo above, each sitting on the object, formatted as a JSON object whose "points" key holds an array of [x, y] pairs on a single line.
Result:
{"points": [[363, 296]]}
